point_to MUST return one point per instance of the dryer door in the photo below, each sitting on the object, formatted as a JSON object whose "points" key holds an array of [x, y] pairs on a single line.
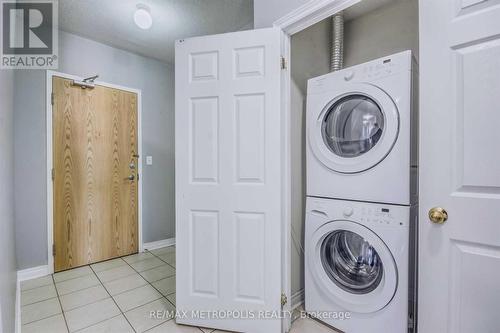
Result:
{"points": [[354, 131], [354, 266]]}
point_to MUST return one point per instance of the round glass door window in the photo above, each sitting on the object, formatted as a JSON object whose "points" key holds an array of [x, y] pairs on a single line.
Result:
{"points": [[351, 262], [352, 126]]}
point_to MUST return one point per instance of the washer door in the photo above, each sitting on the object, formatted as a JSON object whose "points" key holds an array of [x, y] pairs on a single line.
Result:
{"points": [[353, 266], [355, 131]]}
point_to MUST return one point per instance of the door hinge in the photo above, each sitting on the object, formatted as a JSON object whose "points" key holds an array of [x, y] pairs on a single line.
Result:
{"points": [[138, 177], [53, 174], [54, 250], [411, 324], [283, 62], [52, 98], [284, 299]]}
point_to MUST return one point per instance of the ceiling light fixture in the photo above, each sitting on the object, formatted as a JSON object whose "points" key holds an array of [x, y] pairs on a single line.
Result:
{"points": [[142, 17]]}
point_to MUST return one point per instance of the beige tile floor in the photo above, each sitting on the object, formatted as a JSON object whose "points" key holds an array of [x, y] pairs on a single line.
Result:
{"points": [[114, 296]]}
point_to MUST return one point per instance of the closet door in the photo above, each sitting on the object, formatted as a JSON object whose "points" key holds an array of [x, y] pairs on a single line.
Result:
{"points": [[460, 177], [228, 180]]}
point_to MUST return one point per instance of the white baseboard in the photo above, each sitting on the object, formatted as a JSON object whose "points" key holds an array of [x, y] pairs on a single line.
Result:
{"points": [[18, 307], [159, 244], [32, 273], [23, 275], [297, 299]]}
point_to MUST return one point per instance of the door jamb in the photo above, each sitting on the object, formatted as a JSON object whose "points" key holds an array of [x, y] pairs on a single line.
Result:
{"points": [[297, 20], [50, 184]]}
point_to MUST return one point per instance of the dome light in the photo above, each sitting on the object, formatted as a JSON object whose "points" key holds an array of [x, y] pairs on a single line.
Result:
{"points": [[142, 17]]}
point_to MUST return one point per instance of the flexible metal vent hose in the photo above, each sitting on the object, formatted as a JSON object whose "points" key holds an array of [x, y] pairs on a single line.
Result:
{"points": [[337, 56]]}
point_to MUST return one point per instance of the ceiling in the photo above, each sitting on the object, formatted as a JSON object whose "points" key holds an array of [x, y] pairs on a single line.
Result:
{"points": [[111, 22]]}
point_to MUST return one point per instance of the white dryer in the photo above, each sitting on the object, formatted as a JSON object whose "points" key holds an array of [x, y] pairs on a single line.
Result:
{"points": [[358, 276], [361, 132]]}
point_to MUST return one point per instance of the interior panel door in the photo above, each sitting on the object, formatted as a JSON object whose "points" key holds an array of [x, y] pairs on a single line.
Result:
{"points": [[459, 74], [228, 179]]}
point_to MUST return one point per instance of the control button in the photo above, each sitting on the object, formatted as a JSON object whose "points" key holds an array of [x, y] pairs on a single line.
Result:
{"points": [[349, 75], [348, 211]]}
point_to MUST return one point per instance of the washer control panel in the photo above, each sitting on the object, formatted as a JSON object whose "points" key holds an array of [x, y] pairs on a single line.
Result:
{"points": [[360, 212], [369, 71], [382, 68], [378, 215]]}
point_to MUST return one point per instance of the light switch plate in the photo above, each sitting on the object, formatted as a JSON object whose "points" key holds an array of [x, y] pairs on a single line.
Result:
{"points": [[149, 160]]}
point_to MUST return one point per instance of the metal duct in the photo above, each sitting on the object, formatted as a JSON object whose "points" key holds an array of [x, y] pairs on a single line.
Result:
{"points": [[337, 55]]}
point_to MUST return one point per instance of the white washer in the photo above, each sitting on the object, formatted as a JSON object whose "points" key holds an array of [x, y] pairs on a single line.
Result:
{"points": [[360, 124], [357, 263]]}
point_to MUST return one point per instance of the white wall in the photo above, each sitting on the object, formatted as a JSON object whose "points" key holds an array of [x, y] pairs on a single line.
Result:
{"points": [[83, 57], [7, 247], [384, 31], [265, 12]]}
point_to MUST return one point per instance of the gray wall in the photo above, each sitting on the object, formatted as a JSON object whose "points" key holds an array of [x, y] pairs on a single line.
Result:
{"points": [[387, 30], [384, 31], [7, 251], [265, 12], [310, 57], [83, 57]]}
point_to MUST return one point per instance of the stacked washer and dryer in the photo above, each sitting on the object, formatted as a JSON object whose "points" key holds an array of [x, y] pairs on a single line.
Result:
{"points": [[361, 213]]}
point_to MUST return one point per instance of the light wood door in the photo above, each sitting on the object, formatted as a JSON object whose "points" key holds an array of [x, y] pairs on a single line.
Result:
{"points": [[228, 158], [459, 278], [94, 153]]}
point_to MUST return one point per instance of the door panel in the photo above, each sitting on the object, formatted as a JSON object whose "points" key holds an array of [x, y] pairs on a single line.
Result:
{"points": [[94, 145], [228, 179], [203, 129], [460, 259]]}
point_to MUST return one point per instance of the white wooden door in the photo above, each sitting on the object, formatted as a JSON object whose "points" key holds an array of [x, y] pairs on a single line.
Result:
{"points": [[228, 179], [459, 277]]}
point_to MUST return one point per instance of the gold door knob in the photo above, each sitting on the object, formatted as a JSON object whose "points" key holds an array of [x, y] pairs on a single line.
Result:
{"points": [[438, 215]]}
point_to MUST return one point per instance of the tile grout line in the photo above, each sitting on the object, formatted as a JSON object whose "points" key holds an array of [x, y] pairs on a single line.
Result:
{"points": [[34, 321], [175, 269], [93, 272], [81, 306], [76, 291], [163, 296], [150, 269], [60, 304], [123, 292], [157, 256], [89, 266], [175, 275], [99, 322], [43, 300], [73, 278], [119, 309], [46, 285], [107, 292]]}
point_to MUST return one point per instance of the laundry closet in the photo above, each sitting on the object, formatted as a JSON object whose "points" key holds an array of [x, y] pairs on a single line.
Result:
{"points": [[371, 30]]}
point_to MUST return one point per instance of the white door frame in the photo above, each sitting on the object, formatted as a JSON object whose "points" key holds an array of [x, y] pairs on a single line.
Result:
{"points": [[50, 184], [297, 20]]}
